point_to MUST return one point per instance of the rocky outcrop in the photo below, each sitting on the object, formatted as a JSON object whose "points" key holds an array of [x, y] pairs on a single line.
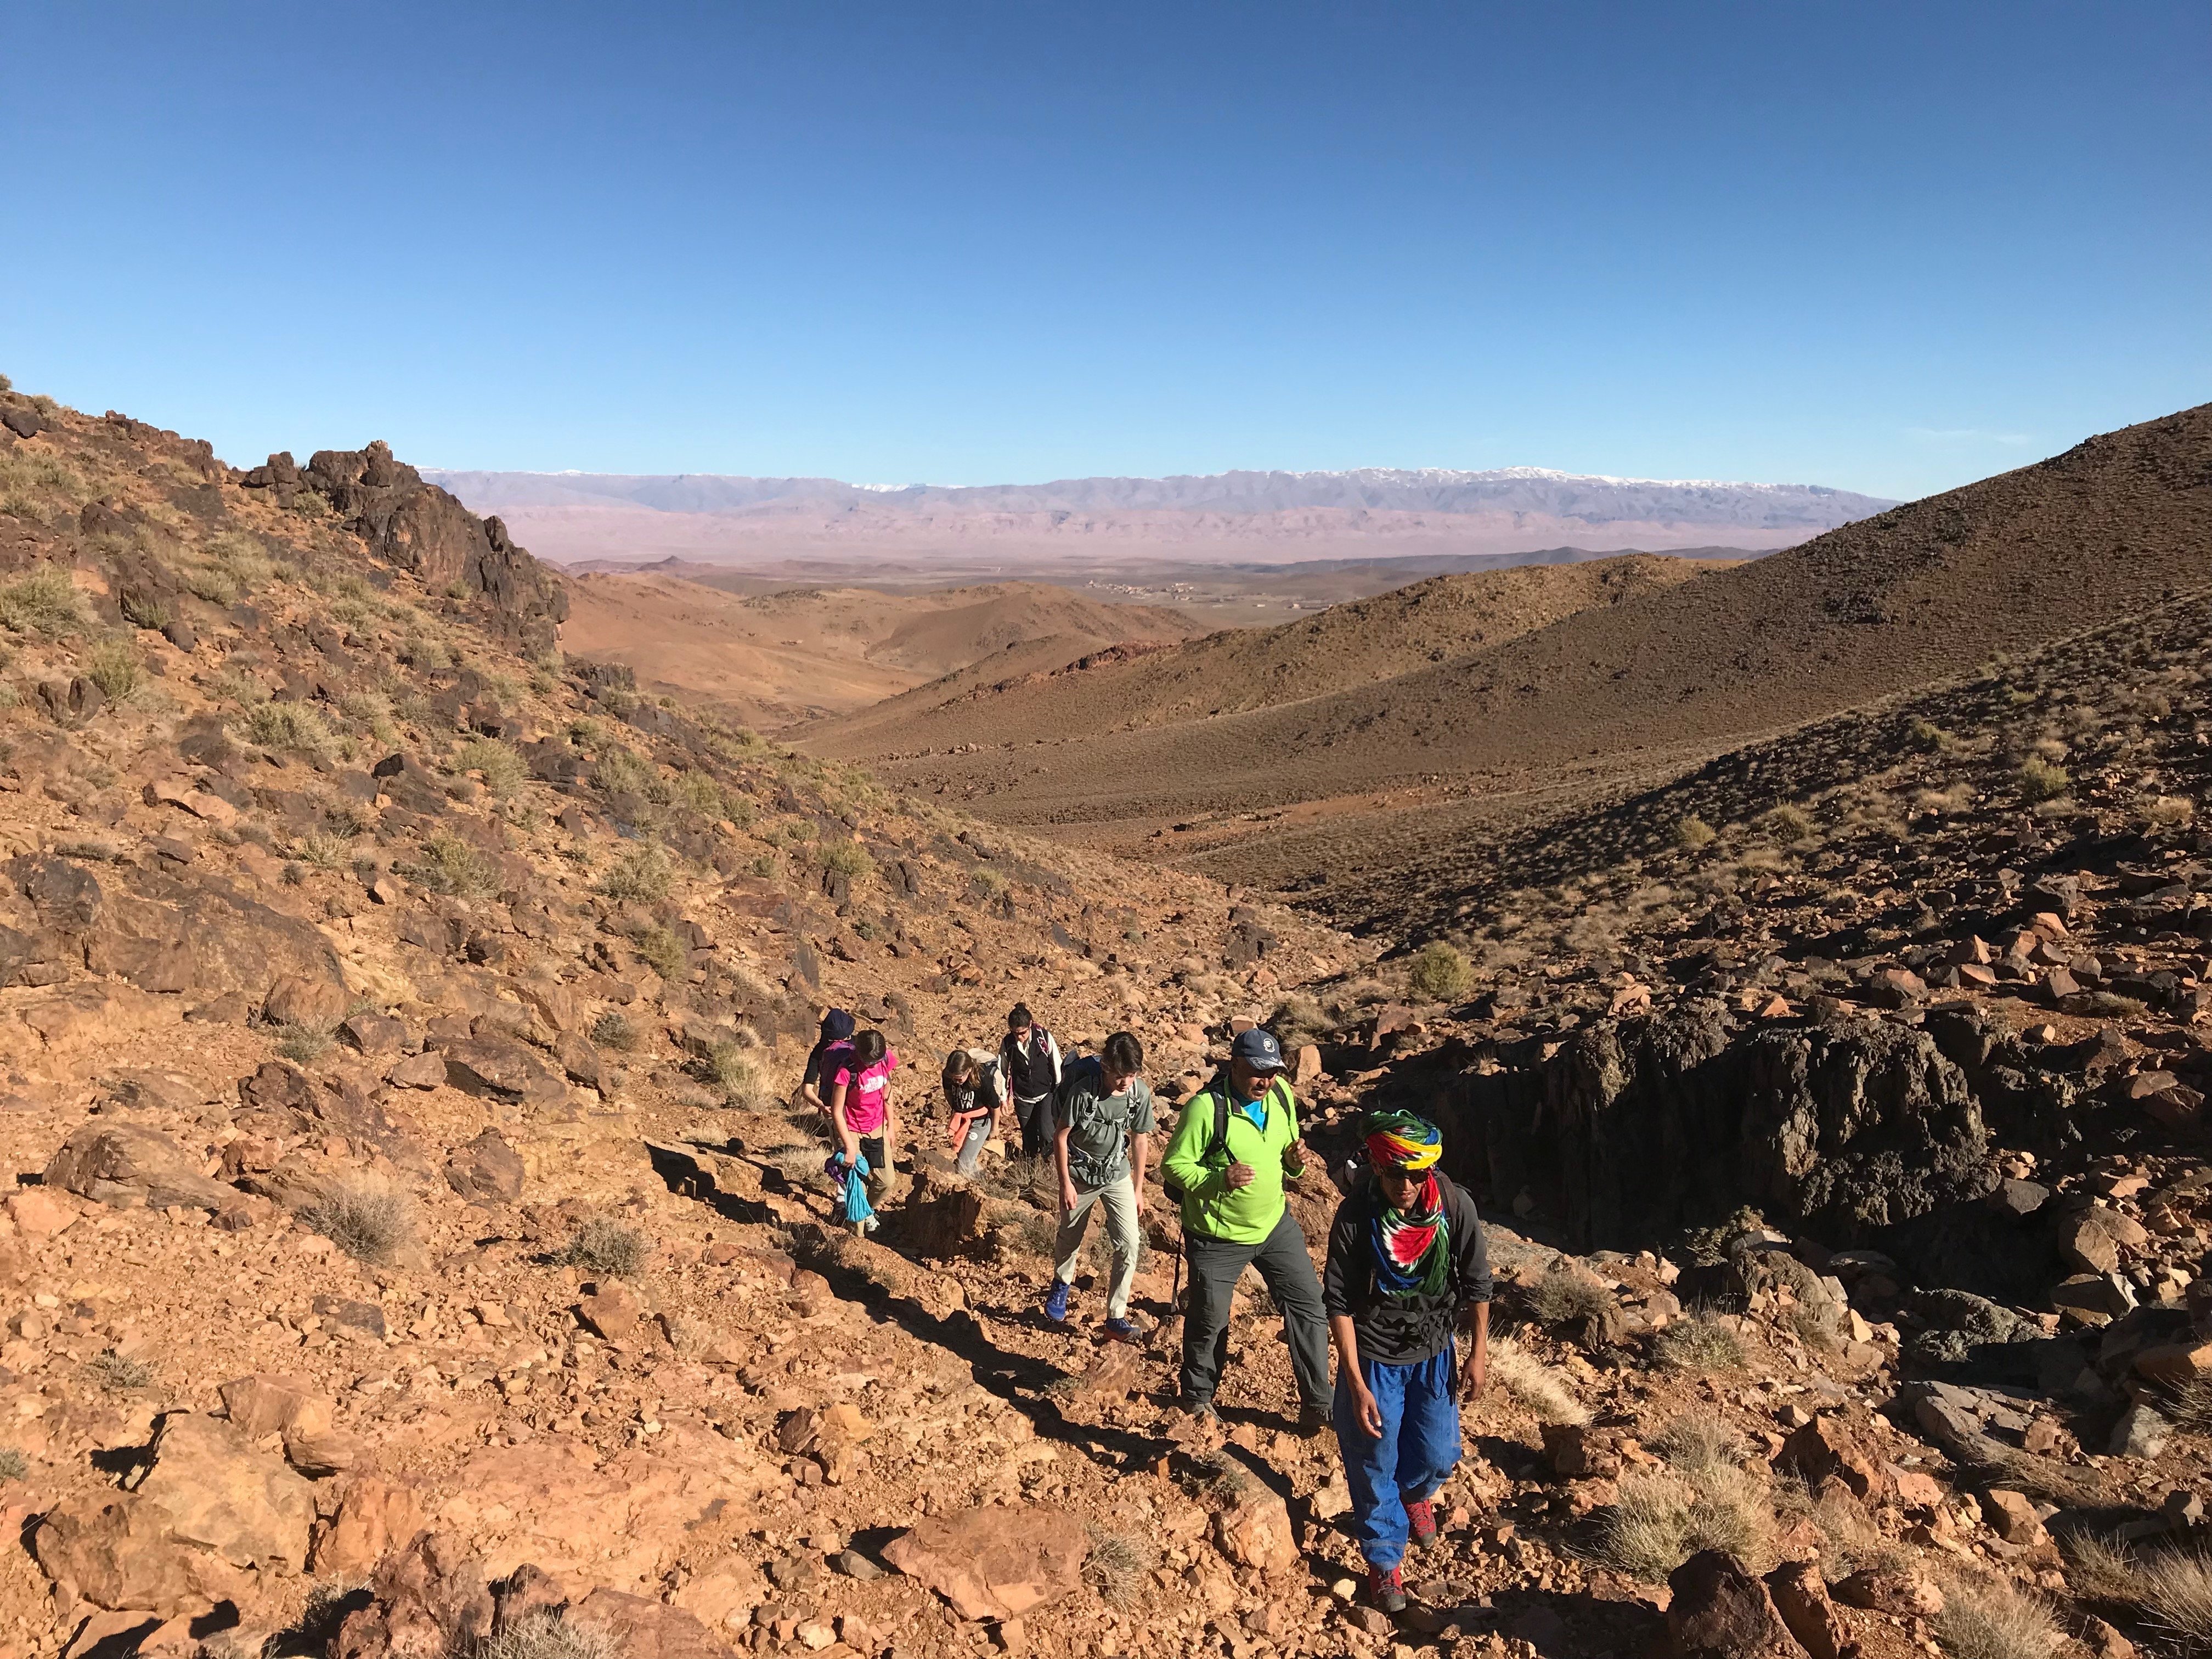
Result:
{"points": [[994, 1563], [422, 529], [128, 1165], [1636, 1129]]}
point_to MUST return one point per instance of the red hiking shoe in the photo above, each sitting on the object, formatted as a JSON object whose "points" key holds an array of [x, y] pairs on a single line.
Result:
{"points": [[1421, 1522], [1386, 1590]]}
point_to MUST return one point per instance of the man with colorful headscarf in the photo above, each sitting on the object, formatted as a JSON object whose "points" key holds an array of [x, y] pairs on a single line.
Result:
{"points": [[1405, 1267]]}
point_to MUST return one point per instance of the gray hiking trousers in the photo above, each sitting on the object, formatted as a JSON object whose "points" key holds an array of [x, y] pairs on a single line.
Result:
{"points": [[1215, 1265]]}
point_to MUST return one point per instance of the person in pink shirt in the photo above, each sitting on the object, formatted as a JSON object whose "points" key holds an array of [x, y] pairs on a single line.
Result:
{"points": [[861, 1106]]}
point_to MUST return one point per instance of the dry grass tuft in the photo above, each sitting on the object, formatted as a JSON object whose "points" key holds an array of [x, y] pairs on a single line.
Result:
{"points": [[639, 875], [727, 1066], [368, 1218], [546, 1635], [1704, 1500], [1697, 1343], [1539, 1389], [117, 1374], [606, 1247], [1118, 1566], [1563, 1297], [1985, 1619]]}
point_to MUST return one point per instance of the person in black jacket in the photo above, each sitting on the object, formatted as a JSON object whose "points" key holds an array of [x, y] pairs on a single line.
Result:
{"points": [[1405, 1267]]}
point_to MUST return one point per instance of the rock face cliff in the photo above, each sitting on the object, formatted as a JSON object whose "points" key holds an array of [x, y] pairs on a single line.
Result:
{"points": [[421, 529]]}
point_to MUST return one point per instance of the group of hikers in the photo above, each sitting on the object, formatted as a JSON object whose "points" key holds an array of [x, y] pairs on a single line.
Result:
{"points": [[1404, 1297]]}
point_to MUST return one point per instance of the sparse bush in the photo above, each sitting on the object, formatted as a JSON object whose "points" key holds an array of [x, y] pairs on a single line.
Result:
{"points": [[1221, 1475], [845, 858], [113, 665], [111, 1371], [1984, 1618], [640, 874], [419, 651], [312, 504], [727, 1068], [292, 727], [450, 865], [142, 610], [303, 1045], [1562, 1297], [1692, 832], [1787, 824], [606, 1247], [1702, 1502], [2177, 1596], [14, 1466], [2041, 780], [43, 602], [27, 476], [2189, 1405], [1117, 1566], [664, 953], [763, 866], [544, 1634], [614, 1030], [367, 1218], [1697, 1343], [1440, 973], [1697, 1441], [321, 849], [504, 770], [1931, 738], [1541, 1391], [2171, 812]]}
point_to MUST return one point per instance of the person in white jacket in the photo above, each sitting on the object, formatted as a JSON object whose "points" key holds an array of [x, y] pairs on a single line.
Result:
{"points": [[1028, 1061]]}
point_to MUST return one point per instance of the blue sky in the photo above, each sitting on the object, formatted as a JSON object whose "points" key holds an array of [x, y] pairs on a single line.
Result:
{"points": [[1891, 247]]}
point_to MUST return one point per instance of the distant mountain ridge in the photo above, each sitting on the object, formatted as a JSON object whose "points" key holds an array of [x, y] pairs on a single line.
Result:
{"points": [[1589, 499]]}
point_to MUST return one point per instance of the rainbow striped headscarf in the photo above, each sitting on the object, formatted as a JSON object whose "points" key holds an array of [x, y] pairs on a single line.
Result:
{"points": [[1399, 1140]]}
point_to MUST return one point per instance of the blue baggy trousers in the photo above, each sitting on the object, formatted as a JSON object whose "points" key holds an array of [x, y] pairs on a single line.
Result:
{"points": [[1419, 1448]]}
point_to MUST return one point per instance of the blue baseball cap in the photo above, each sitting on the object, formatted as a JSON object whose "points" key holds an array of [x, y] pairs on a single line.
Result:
{"points": [[1258, 1048]]}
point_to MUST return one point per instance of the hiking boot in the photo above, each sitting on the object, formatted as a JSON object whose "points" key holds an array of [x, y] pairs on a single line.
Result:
{"points": [[1055, 1301], [1121, 1330], [1202, 1411], [1421, 1520], [1313, 1420], [1387, 1590]]}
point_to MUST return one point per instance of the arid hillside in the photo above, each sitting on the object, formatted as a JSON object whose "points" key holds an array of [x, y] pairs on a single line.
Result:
{"points": [[1364, 642], [412, 1251], [1369, 778], [773, 658]]}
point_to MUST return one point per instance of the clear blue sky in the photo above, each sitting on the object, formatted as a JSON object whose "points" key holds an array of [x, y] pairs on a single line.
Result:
{"points": [[1888, 246]]}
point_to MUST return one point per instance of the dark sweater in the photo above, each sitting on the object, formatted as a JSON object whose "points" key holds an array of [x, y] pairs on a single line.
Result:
{"points": [[1393, 1332]]}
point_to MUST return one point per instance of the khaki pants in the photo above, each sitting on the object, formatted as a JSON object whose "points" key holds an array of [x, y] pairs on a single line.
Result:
{"points": [[1119, 1199]]}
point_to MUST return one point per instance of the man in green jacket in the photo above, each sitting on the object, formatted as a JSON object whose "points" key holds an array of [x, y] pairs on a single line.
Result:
{"points": [[1235, 1140]]}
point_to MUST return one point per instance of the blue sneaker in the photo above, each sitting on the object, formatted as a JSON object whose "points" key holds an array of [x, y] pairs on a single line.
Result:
{"points": [[1055, 1303], [1122, 1330]]}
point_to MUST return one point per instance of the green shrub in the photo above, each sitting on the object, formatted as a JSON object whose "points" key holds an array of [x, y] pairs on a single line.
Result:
{"points": [[113, 665], [450, 865], [845, 858], [664, 953], [14, 1466], [296, 728], [1440, 973], [1787, 824], [504, 770], [143, 609], [2041, 780], [615, 1031], [43, 602], [641, 874], [28, 478], [312, 504], [303, 1045]]}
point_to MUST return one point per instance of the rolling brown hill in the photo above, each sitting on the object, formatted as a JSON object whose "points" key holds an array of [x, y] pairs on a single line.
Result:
{"points": [[1234, 670], [1632, 689], [773, 658]]}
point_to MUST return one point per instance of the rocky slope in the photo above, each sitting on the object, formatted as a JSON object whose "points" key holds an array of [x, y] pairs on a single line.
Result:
{"points": [[410, 1252]]}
